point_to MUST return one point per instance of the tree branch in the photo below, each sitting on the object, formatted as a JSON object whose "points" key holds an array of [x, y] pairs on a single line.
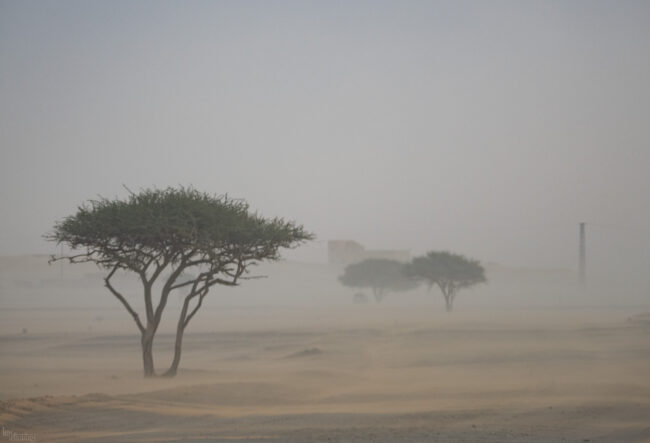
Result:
{"points": [[107, 282], [167, 288], [196, 308]]}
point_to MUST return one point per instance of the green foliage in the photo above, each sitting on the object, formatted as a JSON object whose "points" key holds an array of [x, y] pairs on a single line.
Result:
{"points": [[450, 272], [445, 267], [381, 275], [173, 224]]}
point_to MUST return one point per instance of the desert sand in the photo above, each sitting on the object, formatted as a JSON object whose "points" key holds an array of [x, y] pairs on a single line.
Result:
{"points": [[356, 373]]}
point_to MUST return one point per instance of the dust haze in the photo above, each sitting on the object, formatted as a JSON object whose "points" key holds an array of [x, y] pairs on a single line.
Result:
{"points": [[489, 129]]}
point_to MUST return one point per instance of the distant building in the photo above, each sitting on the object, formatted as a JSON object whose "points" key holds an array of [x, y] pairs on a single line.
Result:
{"points": [[345, 252]]}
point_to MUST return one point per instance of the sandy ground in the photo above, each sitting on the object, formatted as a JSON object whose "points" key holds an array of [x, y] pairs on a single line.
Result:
{"points": [[356, 374]]}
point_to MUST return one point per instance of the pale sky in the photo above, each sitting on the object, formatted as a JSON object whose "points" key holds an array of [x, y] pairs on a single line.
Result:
{"points": [[486, 128]]}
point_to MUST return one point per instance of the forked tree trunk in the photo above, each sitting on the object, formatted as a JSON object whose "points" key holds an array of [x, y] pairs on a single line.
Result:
{"points": [[449, 303], [449, 293]]}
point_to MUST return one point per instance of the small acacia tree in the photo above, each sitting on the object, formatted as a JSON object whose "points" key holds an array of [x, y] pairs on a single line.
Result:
{"points": [[380, 275], [450, 272], [182, 240]]}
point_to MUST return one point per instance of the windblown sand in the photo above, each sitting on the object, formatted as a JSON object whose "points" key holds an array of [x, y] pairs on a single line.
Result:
{"points": [[362, 373]]}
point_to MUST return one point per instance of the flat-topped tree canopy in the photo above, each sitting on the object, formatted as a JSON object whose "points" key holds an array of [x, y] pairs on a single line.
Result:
{"points": [[380, 275], [444, 266], [176, 228], [450, 272], [157, 226]]}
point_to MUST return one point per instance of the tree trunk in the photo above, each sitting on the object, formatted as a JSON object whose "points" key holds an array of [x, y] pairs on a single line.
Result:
{"points": [[449, 293], [180, 330], [171, 372], [449, 303], [147, 354]]}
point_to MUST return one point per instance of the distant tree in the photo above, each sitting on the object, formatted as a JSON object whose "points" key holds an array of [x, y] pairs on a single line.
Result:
{"points": [[180, 239], [380, 275], [450, 272]]}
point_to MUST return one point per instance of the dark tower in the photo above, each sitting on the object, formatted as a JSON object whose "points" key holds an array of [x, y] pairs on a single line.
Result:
{"points": [[583, 256]]}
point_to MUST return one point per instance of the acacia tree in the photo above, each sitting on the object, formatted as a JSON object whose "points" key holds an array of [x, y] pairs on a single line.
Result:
{"points": [[450, 272], [380, 275], [178, 239]]}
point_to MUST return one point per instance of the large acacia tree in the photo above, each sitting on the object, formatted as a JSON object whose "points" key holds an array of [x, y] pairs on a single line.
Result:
{"points": [[380, 275], [450, 272], [179, 239]]}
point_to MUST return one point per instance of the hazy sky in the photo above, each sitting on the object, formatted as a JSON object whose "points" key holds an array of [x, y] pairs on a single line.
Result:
{"points": [[488, 128]]}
